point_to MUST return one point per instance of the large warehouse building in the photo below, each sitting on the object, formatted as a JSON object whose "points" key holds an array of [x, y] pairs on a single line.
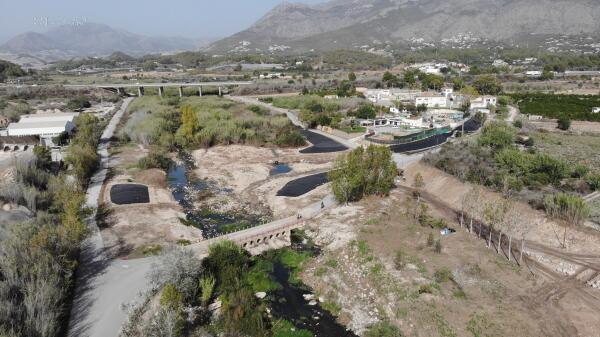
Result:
{"points": [[45, 126]]}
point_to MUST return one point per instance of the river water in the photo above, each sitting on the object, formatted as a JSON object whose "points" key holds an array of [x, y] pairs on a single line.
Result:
{"points": [[185, 190], [288, 302]]}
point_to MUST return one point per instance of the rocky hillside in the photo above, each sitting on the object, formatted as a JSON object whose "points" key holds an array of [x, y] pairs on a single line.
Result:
{"points": [[380, 25]]}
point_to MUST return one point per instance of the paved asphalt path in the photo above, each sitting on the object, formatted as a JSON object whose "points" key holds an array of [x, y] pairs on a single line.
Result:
{"points": [[104, 285]]}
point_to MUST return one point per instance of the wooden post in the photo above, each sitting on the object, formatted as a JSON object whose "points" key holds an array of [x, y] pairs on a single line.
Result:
{"points": [[499, 242], [462, 215], [490, 237], [480, 230], [521, 254], [509, 247], [471, 226]]}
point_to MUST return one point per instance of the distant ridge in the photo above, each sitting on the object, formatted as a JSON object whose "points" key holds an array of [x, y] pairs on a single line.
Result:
{"points": [[93, 39], [380, 25]]}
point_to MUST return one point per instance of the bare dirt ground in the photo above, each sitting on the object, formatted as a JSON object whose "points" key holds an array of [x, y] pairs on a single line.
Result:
{"points": [[376, 263], [241, 182], [141, 229], [452, 191], [576, 126]]}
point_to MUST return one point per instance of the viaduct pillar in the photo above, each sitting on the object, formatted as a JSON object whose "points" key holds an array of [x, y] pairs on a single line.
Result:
{"points": [[161, 91], [220, 92], [180, 91], [121, 91], [140, 91], [200, 91]]}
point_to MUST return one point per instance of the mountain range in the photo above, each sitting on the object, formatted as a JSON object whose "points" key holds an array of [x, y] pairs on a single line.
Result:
{"points": [[92, 39], [379, 25]]}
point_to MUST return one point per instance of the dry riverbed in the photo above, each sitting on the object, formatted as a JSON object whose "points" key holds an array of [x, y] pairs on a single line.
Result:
{"points": [[240, 180]]}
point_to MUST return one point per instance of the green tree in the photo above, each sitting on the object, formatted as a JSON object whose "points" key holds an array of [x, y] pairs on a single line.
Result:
{"points": [[43, 156], [352, 77], [361, 172], [366, 111], [189, 125], [488, 85]]}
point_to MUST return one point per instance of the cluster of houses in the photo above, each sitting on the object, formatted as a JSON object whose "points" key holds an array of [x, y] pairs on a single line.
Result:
{"points": [[442, 107], [443, 99]]}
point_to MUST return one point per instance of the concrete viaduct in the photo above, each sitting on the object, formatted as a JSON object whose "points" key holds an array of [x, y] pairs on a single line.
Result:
{"points": [[120, 87]]}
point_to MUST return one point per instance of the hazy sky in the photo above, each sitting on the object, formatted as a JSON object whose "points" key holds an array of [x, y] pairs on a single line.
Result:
{"points": [[189, 18]]}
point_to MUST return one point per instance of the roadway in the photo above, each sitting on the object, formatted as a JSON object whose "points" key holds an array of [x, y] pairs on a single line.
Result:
{"points": [[104, 286]]}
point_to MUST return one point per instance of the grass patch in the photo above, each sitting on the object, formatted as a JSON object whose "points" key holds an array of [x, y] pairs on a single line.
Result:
{"points": [[332, 307], [259, 276], [283, 328], [355, 129]]}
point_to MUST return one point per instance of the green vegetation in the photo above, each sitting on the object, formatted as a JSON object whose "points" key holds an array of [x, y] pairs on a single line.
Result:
{"points": [[579, 150], [8, 69], [316, 110], [155, 159], [384, 329], [283, 328], [38, 258], [572, 209], [361, 172], [574, 107], [82, 152], [205, 121], [78, 103], [495, 161]]}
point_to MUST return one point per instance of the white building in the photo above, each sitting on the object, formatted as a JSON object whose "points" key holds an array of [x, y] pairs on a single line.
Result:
{"points": [[596, 110], [45, 126], [448, 91], [432, 101], [533, 73], [483, 102]]}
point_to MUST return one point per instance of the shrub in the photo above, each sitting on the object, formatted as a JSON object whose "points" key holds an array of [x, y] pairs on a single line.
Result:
{"points": [[518, 123], [290, 139], [564, 124], [594, 181], [155, 160], [430, 240], [171, 298], [399, 261], [438, 246], [78, 103], [497, 135], [443, 275]]}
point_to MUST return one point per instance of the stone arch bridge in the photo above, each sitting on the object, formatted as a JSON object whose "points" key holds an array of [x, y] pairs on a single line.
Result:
{"points": [[273, 235]]}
